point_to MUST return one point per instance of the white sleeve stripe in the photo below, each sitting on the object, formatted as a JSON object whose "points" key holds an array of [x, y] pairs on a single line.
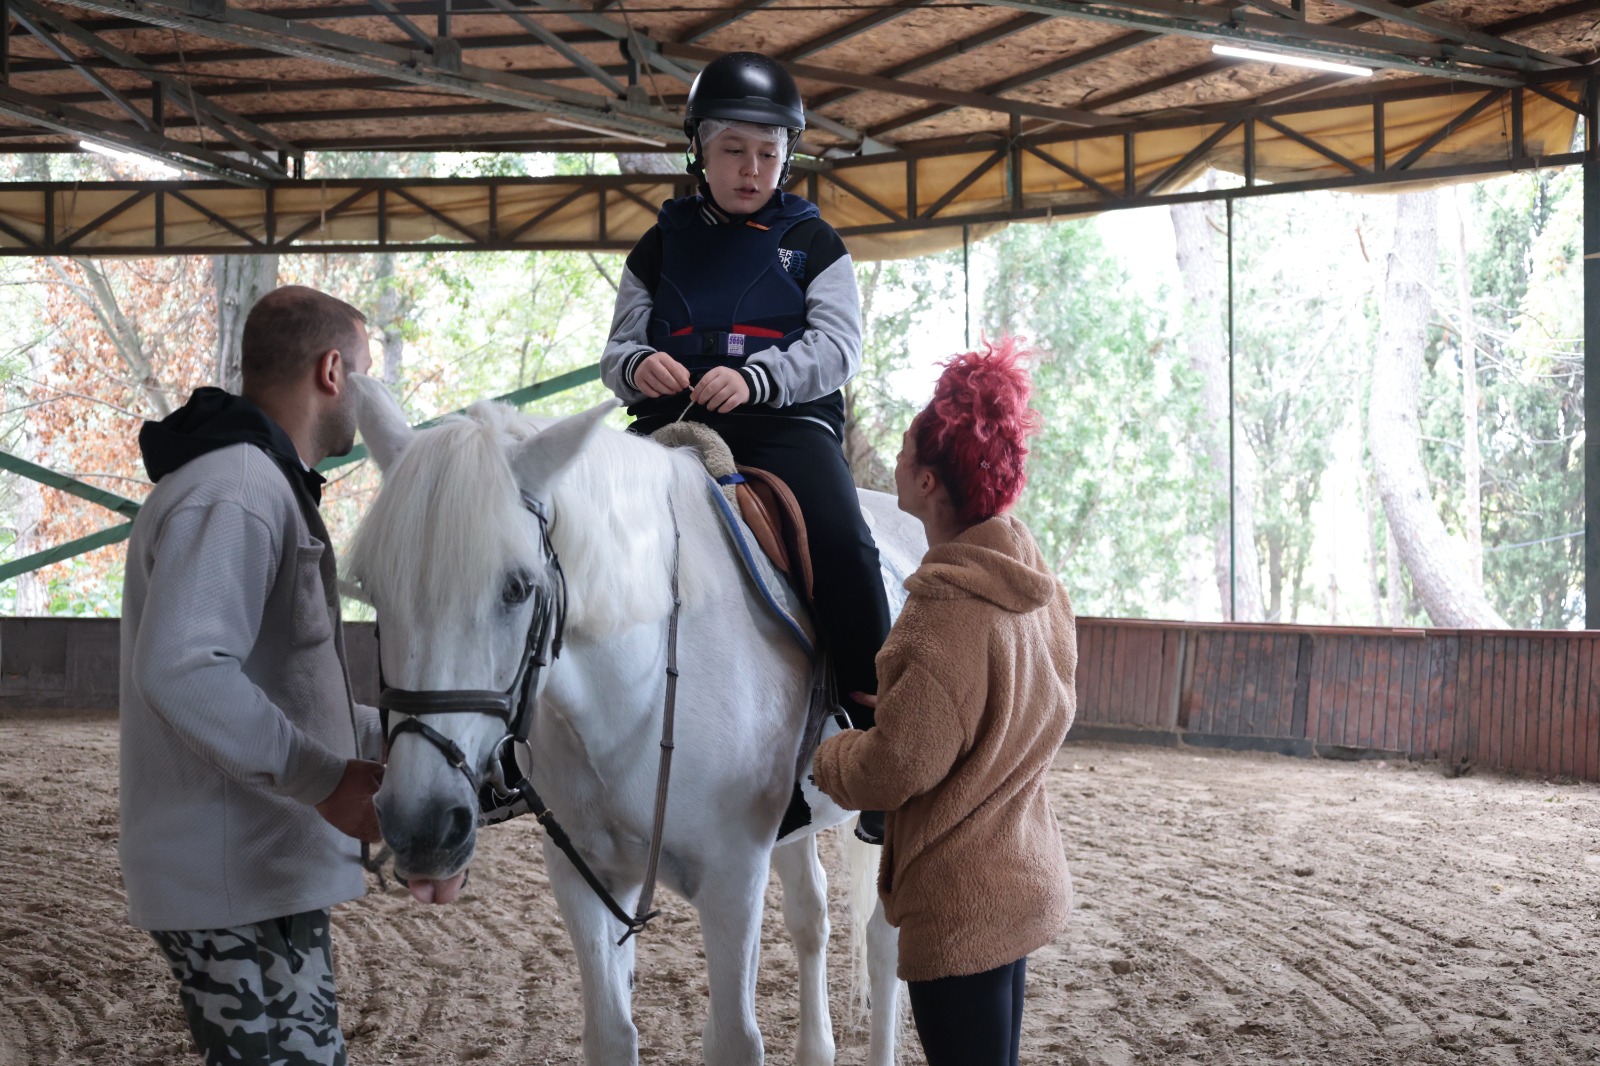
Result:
{"points": [[633, 364]]}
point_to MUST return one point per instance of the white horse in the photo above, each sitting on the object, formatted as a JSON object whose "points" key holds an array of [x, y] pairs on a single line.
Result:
{"points": [[455, 554]]}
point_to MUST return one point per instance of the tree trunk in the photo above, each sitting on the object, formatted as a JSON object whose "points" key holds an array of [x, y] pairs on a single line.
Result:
{"points": [[33, 592], [1395, 609], [101, 300], [394, 307], [1438, 567], [1205, 305], [866, 466], [1369, 493], [1471, 456], [1297, 567], [239, 281], [649, 163], [1275, 575]]}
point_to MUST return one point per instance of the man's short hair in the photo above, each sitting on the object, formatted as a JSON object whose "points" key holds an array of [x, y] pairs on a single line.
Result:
{"points": [[289, 329]]}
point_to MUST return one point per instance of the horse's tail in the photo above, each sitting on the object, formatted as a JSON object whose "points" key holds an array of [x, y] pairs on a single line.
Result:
{"points": [[861, 892]]}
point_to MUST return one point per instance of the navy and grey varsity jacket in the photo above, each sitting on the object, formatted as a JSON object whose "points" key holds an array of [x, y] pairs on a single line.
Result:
{"points": [[772, 294]]}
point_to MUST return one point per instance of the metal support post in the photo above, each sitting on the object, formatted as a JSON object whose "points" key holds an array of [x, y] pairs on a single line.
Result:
{"points": [[1014, 163], [1233, 436], [1591, 362], [966, 287]]}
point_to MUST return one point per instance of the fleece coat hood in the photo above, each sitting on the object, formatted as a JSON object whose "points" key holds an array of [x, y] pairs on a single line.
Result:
{"points": [[214, 419], [976, 694]]}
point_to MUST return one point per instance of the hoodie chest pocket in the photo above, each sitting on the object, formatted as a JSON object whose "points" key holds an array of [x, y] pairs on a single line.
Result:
{"points": [[310, 619]]}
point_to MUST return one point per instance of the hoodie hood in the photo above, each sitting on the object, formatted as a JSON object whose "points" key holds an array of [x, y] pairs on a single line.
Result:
{"points": [[996, 560], [215, 419]]}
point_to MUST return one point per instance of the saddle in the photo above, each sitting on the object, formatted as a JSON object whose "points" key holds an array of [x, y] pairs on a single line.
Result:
{"points": [[763, 500], [773, 515]]}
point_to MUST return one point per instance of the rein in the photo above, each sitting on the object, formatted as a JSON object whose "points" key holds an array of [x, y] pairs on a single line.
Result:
{"points": [[508, 792]]}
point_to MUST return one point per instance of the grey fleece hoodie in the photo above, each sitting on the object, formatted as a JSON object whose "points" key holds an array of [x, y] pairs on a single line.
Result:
{"points": [[236, 710]]}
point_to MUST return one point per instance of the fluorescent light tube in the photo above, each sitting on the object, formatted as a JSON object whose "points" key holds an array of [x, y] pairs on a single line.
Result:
{"points": [[129, 157], [605, 132], [1291, 60]]}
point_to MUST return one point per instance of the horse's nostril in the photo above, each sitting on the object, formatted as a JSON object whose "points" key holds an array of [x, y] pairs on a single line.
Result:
{"points": [[454, 827]]}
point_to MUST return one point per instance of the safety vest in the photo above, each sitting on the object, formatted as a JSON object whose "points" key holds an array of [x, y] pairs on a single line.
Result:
{"points": [[727, 291]]}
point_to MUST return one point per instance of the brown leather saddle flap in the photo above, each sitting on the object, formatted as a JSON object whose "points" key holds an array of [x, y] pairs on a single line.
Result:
{"points": [[773, 515]]}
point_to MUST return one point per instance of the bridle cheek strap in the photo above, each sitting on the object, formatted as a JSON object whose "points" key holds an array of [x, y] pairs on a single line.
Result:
{"points": [[513, 706]]}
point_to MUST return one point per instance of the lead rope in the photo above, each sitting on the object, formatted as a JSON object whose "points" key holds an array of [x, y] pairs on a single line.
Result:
{"points": [[664, 772]]}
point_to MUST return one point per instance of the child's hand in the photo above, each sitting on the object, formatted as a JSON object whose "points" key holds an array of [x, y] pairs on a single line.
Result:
{"points": [[660, 375], [721, 390]]}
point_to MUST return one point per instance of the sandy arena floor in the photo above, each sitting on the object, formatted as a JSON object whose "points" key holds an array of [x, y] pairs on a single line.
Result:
{"points": [[1231, 909]]}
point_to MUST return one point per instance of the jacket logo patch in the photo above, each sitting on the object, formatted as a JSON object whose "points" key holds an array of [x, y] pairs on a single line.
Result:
{"points": [[792, 261]]}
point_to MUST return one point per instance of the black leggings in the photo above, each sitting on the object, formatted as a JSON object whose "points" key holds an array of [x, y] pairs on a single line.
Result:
{"points": [[974, 1020], [852, 609]]}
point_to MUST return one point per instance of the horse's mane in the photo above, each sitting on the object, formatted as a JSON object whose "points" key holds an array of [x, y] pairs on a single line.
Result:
{"points": [[452, 496]]}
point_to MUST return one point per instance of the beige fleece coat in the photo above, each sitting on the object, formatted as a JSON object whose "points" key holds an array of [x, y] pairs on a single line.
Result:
{"points": [[975, 698]]}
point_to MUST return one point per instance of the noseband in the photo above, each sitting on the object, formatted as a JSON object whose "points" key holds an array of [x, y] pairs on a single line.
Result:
{"points": [[513, 706]]}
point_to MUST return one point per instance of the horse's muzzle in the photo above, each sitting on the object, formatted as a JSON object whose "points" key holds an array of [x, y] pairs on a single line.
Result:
{"points": [[437, 843]]}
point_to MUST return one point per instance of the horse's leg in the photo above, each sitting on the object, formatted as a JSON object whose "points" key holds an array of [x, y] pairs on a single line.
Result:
{"points": [[606, 970], [805, 914], [883, 958], [730, 905]]}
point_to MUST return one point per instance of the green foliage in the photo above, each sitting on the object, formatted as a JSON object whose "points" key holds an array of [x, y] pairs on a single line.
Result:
{"points": [[1525, 262], [1110, 477], [1119, 492], [901, 303], [1303, 333]]}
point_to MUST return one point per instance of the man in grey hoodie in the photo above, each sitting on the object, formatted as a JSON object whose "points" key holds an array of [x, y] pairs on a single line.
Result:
{"points": [[244, 788]]}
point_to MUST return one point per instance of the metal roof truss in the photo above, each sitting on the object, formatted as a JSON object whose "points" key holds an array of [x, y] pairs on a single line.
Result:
{"points": [[931, 188]]}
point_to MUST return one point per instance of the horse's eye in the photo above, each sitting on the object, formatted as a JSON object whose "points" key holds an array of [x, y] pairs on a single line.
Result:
{"points": [[519, 586]]}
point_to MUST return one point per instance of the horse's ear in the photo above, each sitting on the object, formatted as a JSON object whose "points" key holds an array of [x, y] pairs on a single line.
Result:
{"points": [[383, 424], [540, 461]]}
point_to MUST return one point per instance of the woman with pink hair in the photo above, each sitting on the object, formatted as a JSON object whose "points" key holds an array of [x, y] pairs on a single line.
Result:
{"points": [[975, 698]]}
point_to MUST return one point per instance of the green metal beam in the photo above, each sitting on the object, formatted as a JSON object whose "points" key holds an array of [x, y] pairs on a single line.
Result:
{"points": [[516, 398], [114, 535], [71, 486]]}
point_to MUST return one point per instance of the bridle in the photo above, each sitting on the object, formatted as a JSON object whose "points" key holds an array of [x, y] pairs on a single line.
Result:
{"points": [[505, 791], [514, 705]]}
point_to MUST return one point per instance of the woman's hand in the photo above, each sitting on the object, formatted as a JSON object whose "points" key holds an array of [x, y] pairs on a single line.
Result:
{"points": [[866, 699], [721, 390], [660, 375]]}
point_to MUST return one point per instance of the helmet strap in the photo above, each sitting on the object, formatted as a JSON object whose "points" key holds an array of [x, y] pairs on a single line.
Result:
{"points": [[692, 163], [788, 157]]}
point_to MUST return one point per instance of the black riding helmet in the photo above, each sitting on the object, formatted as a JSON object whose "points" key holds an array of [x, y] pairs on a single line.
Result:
{"points": [[744, 87]]}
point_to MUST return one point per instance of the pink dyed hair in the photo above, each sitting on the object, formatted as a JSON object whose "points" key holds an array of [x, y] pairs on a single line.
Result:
{"points": [[973, 433]]}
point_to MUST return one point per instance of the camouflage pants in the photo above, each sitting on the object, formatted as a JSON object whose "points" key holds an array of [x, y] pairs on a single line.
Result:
{"points": [[259, 995]]}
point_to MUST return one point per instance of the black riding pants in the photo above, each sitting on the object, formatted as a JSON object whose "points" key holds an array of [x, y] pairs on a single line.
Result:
{"points": [[852, 611], [974, 1020]]}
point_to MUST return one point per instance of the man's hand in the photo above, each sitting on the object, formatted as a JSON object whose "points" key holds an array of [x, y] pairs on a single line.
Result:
{"points": [[721, 390], [349, 808], [660, 375]]}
